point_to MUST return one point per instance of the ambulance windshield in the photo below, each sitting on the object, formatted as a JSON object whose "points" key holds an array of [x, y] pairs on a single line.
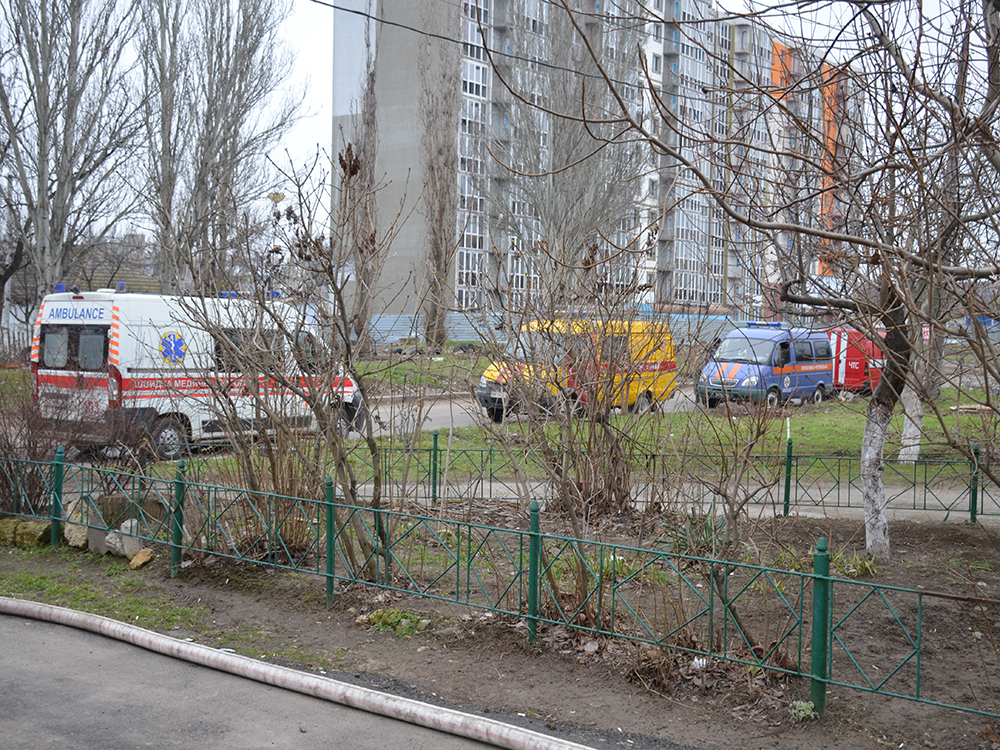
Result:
{"points": [[745, 349]]}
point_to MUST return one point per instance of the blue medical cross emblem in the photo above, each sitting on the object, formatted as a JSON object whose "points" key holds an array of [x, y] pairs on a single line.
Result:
{"points": [[172, 348]]}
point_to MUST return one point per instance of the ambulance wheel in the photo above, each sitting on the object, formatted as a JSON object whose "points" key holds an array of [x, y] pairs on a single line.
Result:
{"points": [[819, 395], [170, 439], [643, 404], [357, 416], [773, 399], [495, 414]]}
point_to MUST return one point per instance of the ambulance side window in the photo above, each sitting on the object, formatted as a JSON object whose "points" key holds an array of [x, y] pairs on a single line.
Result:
{"points": [[271, 345], [92, 349], [74, 347], [225, 357], [246, 348], [308, 352], [55, 348]]}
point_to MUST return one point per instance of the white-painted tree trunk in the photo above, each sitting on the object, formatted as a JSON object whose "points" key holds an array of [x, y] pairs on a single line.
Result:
{"points": [[913, 418], [872, 479]]}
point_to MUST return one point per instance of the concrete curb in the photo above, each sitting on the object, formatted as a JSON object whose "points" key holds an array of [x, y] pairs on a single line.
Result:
{"points": [[403, 709]]}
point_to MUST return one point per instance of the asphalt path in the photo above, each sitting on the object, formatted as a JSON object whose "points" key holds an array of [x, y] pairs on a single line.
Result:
{"points": [[65, 688], [442, 412]]}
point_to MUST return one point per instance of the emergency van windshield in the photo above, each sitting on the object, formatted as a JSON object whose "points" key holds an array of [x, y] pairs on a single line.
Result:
{"points": [[745, 349], [74, 347]]}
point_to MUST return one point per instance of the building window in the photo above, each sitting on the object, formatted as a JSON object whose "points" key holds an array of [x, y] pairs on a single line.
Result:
{"points": [[656, 63]]}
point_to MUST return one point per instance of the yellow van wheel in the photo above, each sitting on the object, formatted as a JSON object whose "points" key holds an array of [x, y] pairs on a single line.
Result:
{"points": [[644, 404]]}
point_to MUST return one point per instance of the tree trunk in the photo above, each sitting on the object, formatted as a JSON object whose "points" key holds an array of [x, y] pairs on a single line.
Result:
{"points": [[913, 418], [872, 478]]}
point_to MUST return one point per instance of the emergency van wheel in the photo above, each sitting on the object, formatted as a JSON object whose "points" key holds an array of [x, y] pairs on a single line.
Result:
{"points": [[357, 416], [495, 415], [819, 395], [711, 403], [643, 404], [773, 399], [170, 439]]}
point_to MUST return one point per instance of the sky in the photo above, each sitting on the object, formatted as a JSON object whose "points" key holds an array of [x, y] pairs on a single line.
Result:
{"points": [[309, 32]]}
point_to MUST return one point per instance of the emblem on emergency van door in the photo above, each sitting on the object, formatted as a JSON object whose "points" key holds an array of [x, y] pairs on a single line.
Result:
{"points": [[788, 382], [172, 348]]}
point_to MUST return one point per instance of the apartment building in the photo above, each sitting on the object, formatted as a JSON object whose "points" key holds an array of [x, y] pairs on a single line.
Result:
{"points": [[765, 124], [513, 215], [736, 127]]}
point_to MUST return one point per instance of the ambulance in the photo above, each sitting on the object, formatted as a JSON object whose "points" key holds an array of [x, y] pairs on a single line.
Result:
{"points": [[770, 363], [109, 366], [620, 363]]}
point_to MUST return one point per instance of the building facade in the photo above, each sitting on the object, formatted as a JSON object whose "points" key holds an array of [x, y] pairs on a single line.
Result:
{"points": [[720, 91]]}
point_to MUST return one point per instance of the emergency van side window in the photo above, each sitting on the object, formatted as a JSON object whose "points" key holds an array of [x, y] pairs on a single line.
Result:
{"points": [[92, 349], [823, 350], [225, 357], [308, 352], [803, 351], [55, 348], [74, 347], [248, 346]]}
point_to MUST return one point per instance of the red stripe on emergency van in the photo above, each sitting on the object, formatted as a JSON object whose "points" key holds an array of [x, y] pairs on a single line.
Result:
{"points": [[71, 381]]}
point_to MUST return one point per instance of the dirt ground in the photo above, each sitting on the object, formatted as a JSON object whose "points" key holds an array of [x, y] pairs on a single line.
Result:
{"points": [[603, 692]]}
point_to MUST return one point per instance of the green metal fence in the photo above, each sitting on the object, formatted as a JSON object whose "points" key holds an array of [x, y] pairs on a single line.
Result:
{"points": [[427, 475], [875, 638]]}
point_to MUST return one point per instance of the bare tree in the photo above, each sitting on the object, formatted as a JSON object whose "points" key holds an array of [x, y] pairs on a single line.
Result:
{"points": [[165, 54], [563, 181], [211, 73], [70, 119], [882, 234], [440, 105], [358, 235]]}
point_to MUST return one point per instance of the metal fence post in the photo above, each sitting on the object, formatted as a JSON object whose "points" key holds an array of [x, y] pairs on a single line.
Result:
{"points": [[177, 520], [788, 476], [821, 625], [534, 544], [57, 497], [434, 469], [974, 490], [330, 542]]}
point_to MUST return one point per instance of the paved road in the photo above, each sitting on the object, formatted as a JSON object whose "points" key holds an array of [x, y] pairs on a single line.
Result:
{"points": [[65, 688], [444, 412]]}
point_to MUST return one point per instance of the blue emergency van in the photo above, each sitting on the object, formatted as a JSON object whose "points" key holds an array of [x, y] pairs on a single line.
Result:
{"points": [[770, 363]]}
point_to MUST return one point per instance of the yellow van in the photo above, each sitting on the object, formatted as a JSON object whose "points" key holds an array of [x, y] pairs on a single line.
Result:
{"points": [[595, 364]]}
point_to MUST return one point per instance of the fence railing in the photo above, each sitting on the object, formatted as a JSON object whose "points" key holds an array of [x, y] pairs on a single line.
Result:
{"points": [[426, 475], [881, 639]]}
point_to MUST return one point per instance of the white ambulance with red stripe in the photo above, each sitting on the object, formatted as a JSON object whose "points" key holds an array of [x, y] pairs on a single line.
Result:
{"points": [[110, 365]]}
